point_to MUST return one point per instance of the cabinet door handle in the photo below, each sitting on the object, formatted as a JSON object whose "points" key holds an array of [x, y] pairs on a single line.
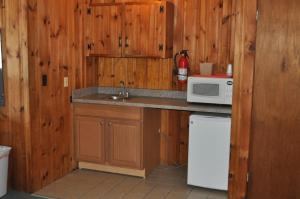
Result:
{"points": [[101, 123], [109, 124], [120, 41], [126, 42]]}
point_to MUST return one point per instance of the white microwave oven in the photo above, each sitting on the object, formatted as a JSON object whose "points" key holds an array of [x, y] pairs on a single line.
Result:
{"points": [[212, 90]]}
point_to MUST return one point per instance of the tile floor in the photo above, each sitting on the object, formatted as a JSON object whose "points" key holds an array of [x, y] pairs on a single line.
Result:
{"points": [[163, 183], [18, 195]]}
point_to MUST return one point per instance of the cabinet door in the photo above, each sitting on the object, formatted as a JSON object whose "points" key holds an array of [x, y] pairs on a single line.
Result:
{"points": [[105, 22], [125, 143], [90, 139], [144, 27]]}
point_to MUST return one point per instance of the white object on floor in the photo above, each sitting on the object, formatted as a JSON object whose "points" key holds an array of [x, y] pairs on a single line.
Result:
{"points": [[4, 153], [209, 148]]}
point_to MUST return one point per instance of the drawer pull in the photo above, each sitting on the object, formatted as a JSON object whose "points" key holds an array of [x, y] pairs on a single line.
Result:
{"points": [[120, 41], [126, 42]]}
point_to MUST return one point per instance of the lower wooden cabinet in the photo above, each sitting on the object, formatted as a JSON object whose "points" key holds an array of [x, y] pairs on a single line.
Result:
{"points": [[125, 143], [90, 145], [116, 138]]}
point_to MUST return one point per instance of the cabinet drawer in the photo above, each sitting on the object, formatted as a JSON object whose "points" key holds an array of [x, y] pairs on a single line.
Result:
{"points": [[108, 111]]}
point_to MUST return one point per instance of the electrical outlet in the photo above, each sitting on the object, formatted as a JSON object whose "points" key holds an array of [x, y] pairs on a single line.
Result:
{"points": [[66, 82]]}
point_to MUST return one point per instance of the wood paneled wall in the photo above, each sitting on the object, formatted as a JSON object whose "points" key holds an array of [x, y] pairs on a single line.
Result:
{"points": [[40, 39], [53, 50], [14, 116], [275, 139]]}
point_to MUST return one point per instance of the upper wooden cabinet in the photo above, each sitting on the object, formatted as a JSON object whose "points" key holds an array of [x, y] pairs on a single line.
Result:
{"points": [[104, 30], [143, 29]]}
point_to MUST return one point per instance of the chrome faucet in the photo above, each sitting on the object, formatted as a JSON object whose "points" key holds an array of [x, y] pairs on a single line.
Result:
{"points": [[123, 93]]}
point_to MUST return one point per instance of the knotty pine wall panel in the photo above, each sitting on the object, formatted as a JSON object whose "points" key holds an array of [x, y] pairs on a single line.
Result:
{"points": [[14, 116], [53, 49], [275, 122]]}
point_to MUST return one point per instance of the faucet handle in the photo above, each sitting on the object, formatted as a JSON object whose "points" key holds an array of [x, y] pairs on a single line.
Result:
{"points": [[122, 83], [126, 94]]}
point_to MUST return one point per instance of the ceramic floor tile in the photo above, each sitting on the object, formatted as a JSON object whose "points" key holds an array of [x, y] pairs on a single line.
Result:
{"points": [[159, 192], [198, 193], [103, 188], [217, 195], [65, 190], [165, 180], [84, 175], [140, 191], [122, 189], [163, 183], [176, 171], [179, 192]]}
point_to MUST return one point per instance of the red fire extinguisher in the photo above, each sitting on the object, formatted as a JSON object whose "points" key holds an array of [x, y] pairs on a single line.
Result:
{"points": [[182, 67]]}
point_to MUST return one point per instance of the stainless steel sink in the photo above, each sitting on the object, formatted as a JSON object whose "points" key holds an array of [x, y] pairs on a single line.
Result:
{"points": [[123, 94], [116, 97]]}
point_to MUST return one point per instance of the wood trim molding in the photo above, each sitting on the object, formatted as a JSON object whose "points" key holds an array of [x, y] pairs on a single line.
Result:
{"points": [[112, 169], [244, 62]]}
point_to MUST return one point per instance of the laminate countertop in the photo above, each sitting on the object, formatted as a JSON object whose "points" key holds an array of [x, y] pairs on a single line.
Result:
{"points": [[161, 102]]}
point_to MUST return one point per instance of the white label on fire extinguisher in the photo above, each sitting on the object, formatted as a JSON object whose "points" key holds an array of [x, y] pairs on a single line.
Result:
{"points": [[182, 77], [182, 71]]}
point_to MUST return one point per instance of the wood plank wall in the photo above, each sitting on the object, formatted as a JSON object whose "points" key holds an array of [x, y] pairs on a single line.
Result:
{"points": [[244, 62], [53, 51], [205, 29], [275, 139], [14, 117]]}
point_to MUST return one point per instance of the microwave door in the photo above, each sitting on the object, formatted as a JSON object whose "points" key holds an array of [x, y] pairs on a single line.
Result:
{"points": [[207, 92]]}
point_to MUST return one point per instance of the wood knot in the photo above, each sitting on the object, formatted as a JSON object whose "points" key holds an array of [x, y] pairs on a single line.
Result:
{"points": [[225, 19], [64, 67], [252, 46], [45, 175], [284, 65], [221, 4], [22, 109], [46, 20], [32, 8]]}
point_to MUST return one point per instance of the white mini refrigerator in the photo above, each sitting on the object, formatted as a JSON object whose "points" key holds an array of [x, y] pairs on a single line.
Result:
{"points": [[209, 148]]}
